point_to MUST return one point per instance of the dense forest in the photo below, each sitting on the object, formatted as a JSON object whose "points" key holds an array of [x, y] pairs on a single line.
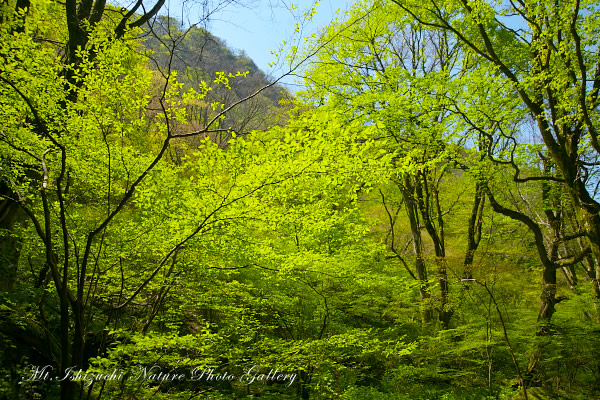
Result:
{"points": [[420, 221]]}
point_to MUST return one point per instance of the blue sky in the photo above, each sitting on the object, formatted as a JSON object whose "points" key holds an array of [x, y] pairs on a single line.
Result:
{"points": [[260, 25]]}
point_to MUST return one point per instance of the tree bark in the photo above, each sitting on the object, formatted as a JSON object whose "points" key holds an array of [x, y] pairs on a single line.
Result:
{"points": [[407, 190], [9, 244], [428, 204], [474, 230]]}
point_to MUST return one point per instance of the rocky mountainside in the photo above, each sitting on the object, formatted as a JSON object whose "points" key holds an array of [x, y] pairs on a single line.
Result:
{"points": [[197, 56]]}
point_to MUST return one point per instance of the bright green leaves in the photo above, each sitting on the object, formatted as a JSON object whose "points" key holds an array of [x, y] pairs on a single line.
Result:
{"points": [[222, 79]]}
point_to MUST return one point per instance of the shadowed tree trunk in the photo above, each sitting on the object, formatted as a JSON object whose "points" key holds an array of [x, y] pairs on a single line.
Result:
{"points": [[474, 230], [9, 244], [408, 190], [428, 204]]}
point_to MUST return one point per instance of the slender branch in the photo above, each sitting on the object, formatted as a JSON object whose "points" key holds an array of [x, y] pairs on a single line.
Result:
{"points": [[510, 347], [196, 231], [392, 246]]}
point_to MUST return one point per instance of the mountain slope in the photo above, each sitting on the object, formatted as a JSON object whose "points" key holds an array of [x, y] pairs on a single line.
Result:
{"points": [[197, 55]]}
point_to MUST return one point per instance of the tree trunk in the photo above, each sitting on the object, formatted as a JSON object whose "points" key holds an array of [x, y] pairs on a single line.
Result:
{"points": [[474, 230], [9, 244], [407, 189], [429, 208]]}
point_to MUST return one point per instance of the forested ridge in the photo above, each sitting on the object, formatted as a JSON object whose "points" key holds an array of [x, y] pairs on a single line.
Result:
{"points": [[420, 221]]}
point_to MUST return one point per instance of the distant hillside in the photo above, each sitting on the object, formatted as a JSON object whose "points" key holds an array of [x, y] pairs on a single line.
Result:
{"points": [[197, 55]]}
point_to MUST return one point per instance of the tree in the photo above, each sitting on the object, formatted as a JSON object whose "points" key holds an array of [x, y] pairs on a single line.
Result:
{"points": [[386, 71], [546, 54], [79, 147]]}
